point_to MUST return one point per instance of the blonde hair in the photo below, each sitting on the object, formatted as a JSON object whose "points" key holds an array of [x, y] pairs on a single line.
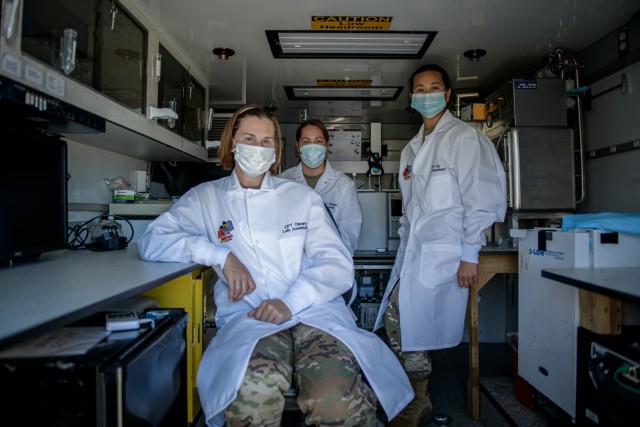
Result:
{"points": [[227, 160]]}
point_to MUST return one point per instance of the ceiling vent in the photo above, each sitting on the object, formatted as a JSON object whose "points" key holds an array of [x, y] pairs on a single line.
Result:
{"points": [[227, 83], [350, 44], [214, 135], [351, 93]]}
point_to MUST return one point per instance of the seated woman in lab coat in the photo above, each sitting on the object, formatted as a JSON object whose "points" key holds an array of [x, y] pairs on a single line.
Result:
{"points": [[282, 269]]}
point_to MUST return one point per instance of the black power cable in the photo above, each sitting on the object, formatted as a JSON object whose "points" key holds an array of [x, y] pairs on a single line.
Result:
{"points": [[80, 236]]}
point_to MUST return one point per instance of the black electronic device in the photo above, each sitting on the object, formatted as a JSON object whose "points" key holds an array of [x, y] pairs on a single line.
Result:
{"points": [[47, 112], [100, 233], [33, 183], [395, 212], [130, 378], [608, 380], [107, 235]]}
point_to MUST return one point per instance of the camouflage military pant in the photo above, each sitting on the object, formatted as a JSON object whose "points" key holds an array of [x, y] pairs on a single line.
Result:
{"points": [[331, 388], [417, 364]]}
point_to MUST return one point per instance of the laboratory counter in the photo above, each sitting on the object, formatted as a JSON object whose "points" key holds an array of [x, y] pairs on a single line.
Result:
{"points": [[374, 259], [378, 257], [617, 282], [602, 291], [64, 286]]}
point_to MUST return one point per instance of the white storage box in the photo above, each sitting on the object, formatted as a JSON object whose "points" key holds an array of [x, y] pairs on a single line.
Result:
{"points": [[549, 311]]}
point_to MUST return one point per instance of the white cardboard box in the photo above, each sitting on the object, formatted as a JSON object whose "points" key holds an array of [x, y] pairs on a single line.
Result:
{"points": [[549, 312]]}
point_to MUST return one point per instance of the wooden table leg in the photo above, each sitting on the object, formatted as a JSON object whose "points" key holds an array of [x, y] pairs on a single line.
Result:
{"points": [[473, 382], [488, 267]]}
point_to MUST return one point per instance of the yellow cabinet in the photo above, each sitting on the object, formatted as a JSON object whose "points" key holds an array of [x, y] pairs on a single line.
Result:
{"points": [[194, 293]]}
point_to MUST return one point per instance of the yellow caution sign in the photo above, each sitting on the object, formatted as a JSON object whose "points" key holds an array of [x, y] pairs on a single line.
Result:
{"points": [[370, 23], [359, 83]]}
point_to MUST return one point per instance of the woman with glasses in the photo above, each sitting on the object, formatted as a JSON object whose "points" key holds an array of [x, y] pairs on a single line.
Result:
{"points": [[338, 192], [282, 269]]}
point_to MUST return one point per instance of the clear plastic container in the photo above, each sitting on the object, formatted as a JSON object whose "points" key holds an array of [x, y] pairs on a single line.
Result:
{"points": [[171, 122], [68, 50]]}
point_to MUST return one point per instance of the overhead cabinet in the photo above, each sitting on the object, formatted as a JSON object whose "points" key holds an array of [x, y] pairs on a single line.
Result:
{"points": [[110, 46], [178, 85], [101, 56]]}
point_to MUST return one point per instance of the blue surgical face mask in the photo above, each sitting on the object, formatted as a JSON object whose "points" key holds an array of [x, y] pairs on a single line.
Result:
{"points": [[313, 155], [428, 104]]}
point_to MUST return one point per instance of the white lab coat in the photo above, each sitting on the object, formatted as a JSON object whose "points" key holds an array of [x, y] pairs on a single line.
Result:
{"points": [[284, 236], [340, 195], [453, 187]]}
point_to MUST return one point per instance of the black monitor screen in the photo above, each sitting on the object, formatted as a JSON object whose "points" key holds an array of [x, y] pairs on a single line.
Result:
{"points": [[33, 185]]}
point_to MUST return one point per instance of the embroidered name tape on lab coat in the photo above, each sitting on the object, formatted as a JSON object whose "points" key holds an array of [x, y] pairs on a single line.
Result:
{"points": [[294, 226]]}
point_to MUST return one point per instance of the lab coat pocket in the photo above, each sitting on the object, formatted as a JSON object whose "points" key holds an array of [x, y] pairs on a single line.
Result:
{"points": [[439, 264], [291, 248], [439, 194]]}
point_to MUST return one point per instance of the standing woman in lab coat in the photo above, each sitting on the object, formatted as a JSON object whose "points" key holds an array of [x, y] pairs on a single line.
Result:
{"points": [[282, 269], [453, 188], [338, 192]]}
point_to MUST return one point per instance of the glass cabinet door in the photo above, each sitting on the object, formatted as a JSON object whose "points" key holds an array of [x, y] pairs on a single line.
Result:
{"points": [[110, 46], [176, 84]]}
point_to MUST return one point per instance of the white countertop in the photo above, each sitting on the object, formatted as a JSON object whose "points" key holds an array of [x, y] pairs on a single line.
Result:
{"points": [[64, 286]]}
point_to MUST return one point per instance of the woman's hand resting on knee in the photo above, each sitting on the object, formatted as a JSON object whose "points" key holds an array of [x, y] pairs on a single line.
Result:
{"points": [[272, 311]]}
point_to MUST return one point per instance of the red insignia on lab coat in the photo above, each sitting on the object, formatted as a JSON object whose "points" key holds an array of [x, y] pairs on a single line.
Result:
{"points": [[406, 175], [224, 232]]}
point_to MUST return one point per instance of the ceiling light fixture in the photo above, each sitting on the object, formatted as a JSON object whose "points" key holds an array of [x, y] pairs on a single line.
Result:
{"points": [[223, 53], [344, 93], [474, 55], [350, 44]]}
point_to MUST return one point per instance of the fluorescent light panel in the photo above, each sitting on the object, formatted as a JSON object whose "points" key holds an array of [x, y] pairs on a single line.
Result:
{"points": [[370, 93], [349, 44]]}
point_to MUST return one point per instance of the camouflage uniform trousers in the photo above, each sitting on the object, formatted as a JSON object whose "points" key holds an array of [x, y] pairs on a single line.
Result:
{"points": [[332, 391], [417, 364]]}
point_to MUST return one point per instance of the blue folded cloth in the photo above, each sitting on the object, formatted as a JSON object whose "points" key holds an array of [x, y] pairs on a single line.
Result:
{"points": [[611, 221]]}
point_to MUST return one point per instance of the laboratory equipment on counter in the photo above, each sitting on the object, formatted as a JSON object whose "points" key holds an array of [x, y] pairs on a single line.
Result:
{"points": [[374, 220], [381, 211], [372, 282], [527, 122], [394, 213]]}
